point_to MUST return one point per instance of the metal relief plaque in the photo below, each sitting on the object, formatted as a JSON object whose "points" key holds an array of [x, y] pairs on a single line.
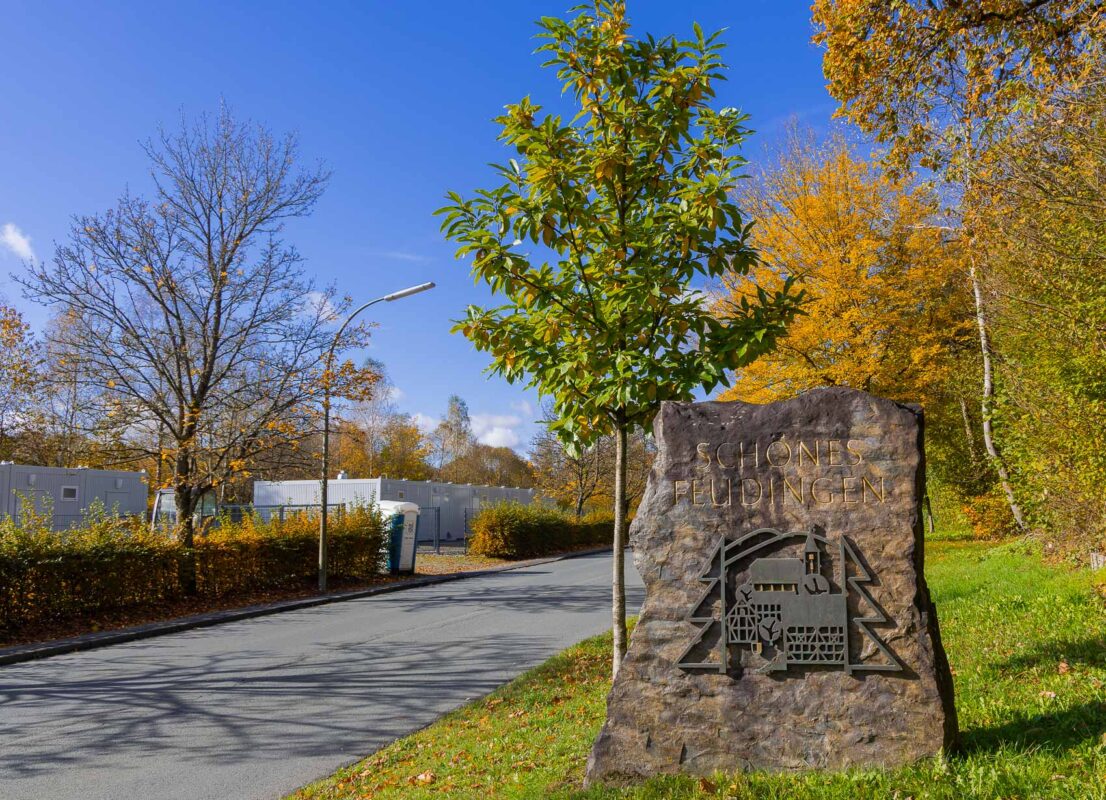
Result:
{"points": [[770, 613]]}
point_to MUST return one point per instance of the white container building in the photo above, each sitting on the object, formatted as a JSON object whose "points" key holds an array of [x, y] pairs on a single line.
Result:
{"points": [[70, 492], [444, 508]]}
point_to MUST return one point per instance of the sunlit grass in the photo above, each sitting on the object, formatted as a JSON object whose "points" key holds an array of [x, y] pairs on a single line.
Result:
{"points": [[1027, 643]]}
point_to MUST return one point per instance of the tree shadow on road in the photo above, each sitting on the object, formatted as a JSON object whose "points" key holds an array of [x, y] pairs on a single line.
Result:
{"points": [[196, 697]]}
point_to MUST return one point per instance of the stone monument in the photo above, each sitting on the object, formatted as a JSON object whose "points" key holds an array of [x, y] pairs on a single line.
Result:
{"points": [[787, 624]]}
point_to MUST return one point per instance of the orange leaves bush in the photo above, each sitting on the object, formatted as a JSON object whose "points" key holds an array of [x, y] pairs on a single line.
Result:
{"points": [[989, 516], [512, 530], [115, 563]]}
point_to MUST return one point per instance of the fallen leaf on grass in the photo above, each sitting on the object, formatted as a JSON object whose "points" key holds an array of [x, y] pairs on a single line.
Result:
{"points": [[707, 786], [1049, 695], [1063, 668], [424, 778]]}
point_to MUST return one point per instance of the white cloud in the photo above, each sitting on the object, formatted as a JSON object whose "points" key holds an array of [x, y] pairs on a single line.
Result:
{"points": [[318, 302], [497, 430], [425, 422], [523, 407], [17, 241], [501, 437], [403, 255], [395, 394]]}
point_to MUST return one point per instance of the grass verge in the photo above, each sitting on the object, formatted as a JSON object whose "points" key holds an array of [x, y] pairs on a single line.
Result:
{"points": [[1027, 643]]}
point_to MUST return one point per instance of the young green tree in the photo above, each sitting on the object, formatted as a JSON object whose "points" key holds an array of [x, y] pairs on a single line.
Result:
{"points": [[599, 232]]}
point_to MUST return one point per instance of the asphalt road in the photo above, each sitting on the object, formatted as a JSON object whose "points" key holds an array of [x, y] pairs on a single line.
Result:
{"points": [[258, 708]]}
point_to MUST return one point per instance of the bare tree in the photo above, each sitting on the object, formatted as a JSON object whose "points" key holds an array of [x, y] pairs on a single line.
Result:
{"points": [[192, 310], [570, 478], [586, 478], [485, 465], [452, 438], [373, 416]]}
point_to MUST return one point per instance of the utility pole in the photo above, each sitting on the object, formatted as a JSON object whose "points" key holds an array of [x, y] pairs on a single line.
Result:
{"points": [[328, 366]]}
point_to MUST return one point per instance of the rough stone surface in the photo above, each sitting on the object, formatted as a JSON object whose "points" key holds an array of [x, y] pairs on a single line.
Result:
{"points": [[846, 466]]}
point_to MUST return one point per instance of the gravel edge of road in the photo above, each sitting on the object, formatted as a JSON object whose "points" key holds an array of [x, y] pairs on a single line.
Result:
{"points": [[90, 641]]}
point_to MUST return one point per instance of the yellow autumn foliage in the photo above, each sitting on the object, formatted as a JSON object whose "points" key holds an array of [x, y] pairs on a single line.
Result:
{"points": [[887, 307]]}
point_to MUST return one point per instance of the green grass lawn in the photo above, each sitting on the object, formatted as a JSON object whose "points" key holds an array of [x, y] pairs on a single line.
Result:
{"points": [[1027, 645]]}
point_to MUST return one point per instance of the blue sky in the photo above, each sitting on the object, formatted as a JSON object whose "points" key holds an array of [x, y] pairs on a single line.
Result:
{"points": [[396, 98]]}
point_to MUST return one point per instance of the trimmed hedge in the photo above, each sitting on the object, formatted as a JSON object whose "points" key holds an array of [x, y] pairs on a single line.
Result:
{"points": [[114, 563], [512, 530]]}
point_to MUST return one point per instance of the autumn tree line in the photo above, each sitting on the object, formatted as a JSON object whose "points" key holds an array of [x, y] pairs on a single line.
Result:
{"points": [[187, 340], [950, 241], [943, 246], [50, 416], [55, 414]]}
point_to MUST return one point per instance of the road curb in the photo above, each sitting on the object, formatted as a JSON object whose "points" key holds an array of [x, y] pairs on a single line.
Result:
{"points": [[90, 641]]}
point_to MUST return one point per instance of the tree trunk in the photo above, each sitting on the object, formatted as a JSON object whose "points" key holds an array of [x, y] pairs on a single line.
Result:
{"points": [[186, 502], [160, 458], [988, 396], [68, 455], [186, 499], [618, 579], [969, 436]]}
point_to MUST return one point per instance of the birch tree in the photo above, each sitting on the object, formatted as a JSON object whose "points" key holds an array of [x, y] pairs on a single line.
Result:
{"points": [[936, 80]]}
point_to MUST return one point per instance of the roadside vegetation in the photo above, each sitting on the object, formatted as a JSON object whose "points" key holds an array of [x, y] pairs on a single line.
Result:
{"points": [[1026, 640], [513, 530], [114, 572], [111, 569]]}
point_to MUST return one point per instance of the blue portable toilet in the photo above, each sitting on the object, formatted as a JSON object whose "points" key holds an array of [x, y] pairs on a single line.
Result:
{"points": [[400, 521]]}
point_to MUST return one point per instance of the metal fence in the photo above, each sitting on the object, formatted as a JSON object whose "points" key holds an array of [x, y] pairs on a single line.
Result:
{"points": [[429, 533], [283, 512]]}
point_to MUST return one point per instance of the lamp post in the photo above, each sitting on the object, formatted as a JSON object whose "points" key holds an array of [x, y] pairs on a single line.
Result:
{"points": [[422, 287]]}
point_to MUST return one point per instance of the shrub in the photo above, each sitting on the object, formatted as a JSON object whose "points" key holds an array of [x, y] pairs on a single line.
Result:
{"points": [[512, 530], [990, 517], [114, 563]]}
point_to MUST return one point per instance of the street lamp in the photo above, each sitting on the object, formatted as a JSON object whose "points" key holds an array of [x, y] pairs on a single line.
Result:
{"points": [[422, 287]]}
